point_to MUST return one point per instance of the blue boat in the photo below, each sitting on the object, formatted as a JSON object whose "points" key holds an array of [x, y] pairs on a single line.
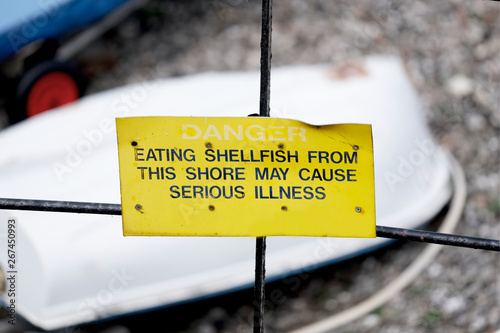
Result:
{"points": [[37, 76], [27, 21]]}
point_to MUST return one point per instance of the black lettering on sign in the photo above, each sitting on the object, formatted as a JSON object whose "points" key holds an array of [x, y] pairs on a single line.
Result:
{"points": [[234, 155], [157, 173], [164, 154], [327, 175], [274, 174], [202, 192], [289, 192], [335, 157], [225, 173]]}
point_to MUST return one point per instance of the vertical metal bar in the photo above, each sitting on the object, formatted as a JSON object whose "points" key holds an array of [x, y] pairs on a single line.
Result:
{"points": [[259, 289], [264, 111], [265, 58]]}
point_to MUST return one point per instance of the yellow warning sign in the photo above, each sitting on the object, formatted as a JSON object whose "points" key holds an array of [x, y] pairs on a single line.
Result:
{"points": [[195, 176]]}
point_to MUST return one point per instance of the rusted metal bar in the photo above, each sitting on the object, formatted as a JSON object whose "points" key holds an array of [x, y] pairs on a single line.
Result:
{"points": [[265, 58], [264, 111], [422, 236], [61, 206], [438, 238], [260, 283]]}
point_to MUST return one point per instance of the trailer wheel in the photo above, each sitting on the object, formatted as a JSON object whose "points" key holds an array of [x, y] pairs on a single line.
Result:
{"points": [[45, 86]]}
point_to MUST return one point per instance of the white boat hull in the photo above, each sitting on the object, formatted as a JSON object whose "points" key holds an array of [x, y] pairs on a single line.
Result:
{"points": [[78, 268]]}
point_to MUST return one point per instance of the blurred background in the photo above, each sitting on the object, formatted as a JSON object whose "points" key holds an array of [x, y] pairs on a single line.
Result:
{"points": [[451, 51]]}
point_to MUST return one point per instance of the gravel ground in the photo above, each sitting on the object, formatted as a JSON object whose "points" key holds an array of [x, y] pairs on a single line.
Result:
{"points": [[451, 49]]}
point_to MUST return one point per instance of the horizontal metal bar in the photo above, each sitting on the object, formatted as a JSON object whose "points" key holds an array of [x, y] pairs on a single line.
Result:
{"points": [[438, 238], [422, 236], [61, 206]]}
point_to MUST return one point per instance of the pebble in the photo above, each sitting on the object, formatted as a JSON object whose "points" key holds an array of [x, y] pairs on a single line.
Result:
{"points": [[475, 122], [454, 305], [435, 270], [493, 144], [460, 86], [478, 324], [371, 321]]}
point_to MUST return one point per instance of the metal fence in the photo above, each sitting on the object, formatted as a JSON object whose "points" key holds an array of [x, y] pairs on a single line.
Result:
{"points": [[422, 236], [381, 231]]}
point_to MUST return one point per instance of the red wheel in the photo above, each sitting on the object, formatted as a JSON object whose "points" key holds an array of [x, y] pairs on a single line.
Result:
{"points": [[49, 91], [45, 86]]}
